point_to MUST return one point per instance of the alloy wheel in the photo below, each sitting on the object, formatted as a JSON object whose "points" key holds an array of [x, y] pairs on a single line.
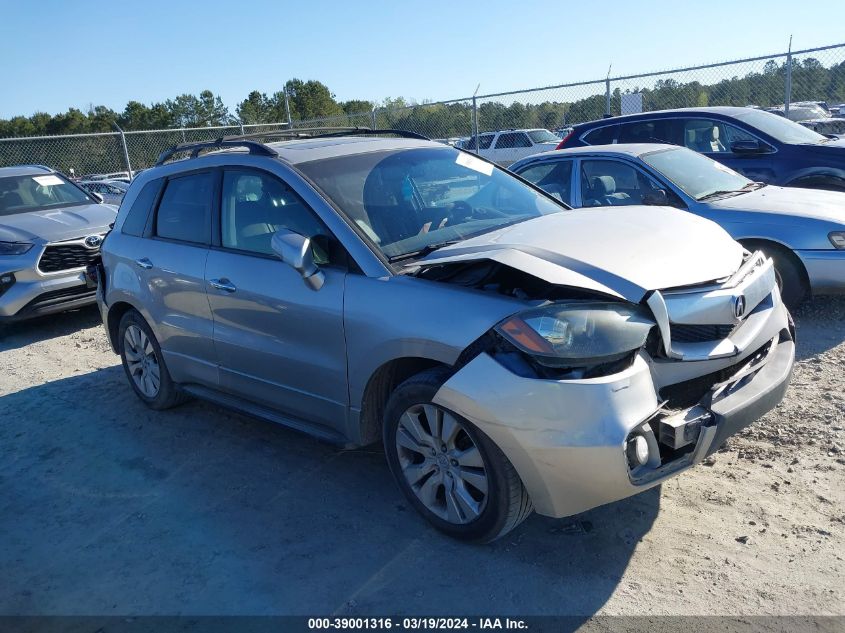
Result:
{"points": [[141, 360], [442, 464]]}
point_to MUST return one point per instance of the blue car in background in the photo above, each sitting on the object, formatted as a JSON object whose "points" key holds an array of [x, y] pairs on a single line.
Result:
{"points": [[760, 145], [802, 230]]}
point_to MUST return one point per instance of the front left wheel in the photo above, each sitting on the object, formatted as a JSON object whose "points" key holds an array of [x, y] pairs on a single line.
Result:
{"points": [[452, 473]]}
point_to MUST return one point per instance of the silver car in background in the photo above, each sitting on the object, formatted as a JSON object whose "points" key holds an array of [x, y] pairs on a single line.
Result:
{"points": [[802, 230], [108, 191], [50, 231], [511, 354]]}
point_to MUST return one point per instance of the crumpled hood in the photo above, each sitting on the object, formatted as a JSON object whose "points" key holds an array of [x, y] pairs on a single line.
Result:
{"points": [[793, 201], [57, 224], [621, 251]]}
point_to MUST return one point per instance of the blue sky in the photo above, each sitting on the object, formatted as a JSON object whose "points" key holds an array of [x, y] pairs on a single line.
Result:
{"points": [[57, 53]]}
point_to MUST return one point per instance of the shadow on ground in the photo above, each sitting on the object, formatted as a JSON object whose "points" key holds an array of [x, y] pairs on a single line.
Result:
{"points": [[22, 333], [109, 508], [820, 325]]}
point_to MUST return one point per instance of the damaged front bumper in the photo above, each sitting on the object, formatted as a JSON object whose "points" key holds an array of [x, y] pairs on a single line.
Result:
{"points": [[567, 439]]}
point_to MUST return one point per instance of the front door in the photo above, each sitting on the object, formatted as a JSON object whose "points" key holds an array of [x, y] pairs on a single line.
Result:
{"points": [[714, 139], [279, 343]]}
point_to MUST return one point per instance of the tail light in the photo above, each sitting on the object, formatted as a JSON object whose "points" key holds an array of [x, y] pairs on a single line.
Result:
{"points": [[563, 141]]}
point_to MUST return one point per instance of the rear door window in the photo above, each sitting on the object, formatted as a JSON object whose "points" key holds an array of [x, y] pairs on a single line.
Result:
{"points": [[184, 212], [484, 140], [656, 131]]}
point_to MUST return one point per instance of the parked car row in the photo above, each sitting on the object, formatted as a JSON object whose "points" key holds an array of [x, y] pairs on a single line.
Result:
{"points": [[760, 145], [510, 352], [802, 230]]}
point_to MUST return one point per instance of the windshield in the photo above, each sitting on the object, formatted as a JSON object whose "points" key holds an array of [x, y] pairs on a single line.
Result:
{"points": [[22, 194], [806, 113], [411, 201], [543, 136], [697, 175], [779, 128]]}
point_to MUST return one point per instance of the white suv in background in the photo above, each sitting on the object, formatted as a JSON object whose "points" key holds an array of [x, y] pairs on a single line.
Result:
{"points": [[508, 146]]}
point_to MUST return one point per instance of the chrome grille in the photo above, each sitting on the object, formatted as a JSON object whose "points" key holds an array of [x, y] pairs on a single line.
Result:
{"points": [[58, 257]]}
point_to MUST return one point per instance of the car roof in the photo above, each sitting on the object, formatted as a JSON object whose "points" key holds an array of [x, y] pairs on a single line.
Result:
{"points": [[723, 110], [617, 149], [308, 149], [24, 170]]}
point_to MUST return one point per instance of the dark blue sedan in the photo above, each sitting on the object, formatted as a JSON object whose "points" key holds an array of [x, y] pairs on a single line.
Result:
{"points": [[760, 145]]}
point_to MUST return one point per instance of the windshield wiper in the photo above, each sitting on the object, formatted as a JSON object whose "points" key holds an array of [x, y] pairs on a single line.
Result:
{"points": [[425, 250], [721, 192]]}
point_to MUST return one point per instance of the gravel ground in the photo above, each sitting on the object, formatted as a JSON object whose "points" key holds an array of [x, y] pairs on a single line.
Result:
{"points": [[108, 508]]}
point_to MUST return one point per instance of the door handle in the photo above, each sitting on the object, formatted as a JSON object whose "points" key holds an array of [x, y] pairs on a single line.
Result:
{"points": [[144, 263], [222, 284]]}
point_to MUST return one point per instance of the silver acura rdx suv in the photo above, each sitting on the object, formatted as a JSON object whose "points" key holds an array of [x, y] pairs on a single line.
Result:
{"points": [[510, 353]]}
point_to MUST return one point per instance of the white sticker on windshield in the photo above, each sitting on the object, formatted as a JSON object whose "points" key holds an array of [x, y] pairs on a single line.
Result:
{"points": [[47, 181], [476, 164]]}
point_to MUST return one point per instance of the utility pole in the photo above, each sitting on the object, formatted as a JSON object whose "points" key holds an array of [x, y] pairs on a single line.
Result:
{"points": [[787, 97]]}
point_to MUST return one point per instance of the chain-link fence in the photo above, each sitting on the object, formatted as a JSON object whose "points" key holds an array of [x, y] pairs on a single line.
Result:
{"points": [[781, 81]]}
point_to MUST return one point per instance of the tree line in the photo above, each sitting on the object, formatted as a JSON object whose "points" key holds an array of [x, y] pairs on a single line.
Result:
{"points": [[308, 100]]}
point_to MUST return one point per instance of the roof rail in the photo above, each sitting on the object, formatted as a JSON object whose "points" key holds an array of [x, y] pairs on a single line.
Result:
{"points": [[328, 132], [195, 148]]}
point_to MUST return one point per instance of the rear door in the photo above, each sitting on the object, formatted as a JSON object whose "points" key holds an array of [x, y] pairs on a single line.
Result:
{"points": [[170, 264], [279, 343]]}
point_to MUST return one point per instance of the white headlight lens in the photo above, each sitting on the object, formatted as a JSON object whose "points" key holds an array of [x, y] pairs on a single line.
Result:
{"points": [[837, 238], [578, 334]]}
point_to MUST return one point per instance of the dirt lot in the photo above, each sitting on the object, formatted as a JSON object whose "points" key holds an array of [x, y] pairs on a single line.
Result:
{"points": [[108, 508]]}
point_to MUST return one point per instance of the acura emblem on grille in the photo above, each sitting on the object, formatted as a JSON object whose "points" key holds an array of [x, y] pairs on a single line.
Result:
{"points": [[93, 241], [739, 306]]}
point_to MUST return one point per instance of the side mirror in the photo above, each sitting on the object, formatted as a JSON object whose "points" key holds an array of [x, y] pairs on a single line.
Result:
{"points": [[295, 250], [748, 147], [657, 198]]}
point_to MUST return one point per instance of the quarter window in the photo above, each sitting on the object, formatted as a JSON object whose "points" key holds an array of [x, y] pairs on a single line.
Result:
{"points": [[184, 213], [601, 136], [136, 218]]}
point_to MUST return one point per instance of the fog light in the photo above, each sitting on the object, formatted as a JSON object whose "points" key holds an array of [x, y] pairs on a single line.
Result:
{"points": [[6, 282], [637, 451]]}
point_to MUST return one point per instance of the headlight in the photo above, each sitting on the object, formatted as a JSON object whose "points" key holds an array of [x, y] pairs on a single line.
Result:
{"points": [[837, 238], [14, 248], [578, 334]]}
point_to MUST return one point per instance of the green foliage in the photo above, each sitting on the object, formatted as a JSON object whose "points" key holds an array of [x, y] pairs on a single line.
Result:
{"points": [[312, 100]]}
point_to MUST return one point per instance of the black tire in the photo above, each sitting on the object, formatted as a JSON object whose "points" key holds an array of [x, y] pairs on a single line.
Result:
{"points": [[507, 501], [167, 395], [792, 281]]}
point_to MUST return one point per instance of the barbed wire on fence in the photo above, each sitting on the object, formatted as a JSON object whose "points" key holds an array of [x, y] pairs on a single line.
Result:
{"points": [[815, 74]]}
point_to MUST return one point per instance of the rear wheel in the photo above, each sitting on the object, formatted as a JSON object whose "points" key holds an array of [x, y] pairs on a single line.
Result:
{"points": [[452, 473], [144, 364]]}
